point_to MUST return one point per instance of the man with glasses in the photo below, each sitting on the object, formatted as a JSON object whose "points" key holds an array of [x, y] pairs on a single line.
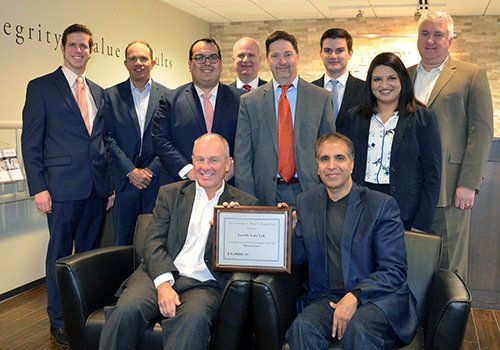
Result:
{"points": [[137, 169], [204, 105]]}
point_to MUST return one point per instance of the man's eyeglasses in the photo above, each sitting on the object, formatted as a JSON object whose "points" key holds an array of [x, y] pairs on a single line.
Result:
{"points": [[201, 59]]}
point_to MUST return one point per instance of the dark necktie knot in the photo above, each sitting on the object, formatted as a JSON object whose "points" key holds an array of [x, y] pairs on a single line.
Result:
{"points": [[247, 87]]}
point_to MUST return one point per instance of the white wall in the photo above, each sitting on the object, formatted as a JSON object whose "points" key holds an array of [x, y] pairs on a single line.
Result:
{"points": [[23, 234]]}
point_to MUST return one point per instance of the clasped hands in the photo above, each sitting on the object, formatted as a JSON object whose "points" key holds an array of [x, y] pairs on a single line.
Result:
{"points": [[140, 178]]}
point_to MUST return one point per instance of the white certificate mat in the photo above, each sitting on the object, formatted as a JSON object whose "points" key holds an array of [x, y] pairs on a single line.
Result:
{"points": [[252, 239]]}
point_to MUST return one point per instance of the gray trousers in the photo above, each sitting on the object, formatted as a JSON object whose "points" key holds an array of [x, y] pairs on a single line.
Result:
{"points": [[138, 305], [453, 225]]}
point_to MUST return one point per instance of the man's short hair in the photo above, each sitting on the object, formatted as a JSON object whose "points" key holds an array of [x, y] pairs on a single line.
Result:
{"points": [[145, 43], [205, 40], [77, 28], [337, 33], [442, 15], [335, 137], [281, 35], [220, 137]]}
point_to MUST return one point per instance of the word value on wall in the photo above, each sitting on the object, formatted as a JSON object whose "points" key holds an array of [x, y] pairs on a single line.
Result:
{"points": [[21, 34]]}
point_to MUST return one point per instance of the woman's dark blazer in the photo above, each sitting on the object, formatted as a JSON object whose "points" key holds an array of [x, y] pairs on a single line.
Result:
{"points": [[415, 168]]}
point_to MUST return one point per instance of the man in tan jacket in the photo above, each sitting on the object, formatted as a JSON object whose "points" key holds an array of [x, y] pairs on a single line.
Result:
{"points": [[460, 95]]}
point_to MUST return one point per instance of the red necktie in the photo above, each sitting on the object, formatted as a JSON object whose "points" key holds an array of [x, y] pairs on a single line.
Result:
{"points": [[247, 87], [286, 154], [209, 111], [81, 100]]}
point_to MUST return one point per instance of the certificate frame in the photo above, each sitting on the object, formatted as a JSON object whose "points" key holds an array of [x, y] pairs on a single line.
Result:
{"points": [[262, 243]]}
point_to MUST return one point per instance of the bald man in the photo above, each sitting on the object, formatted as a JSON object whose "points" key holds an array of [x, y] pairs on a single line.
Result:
{"points": [[246, 63]]}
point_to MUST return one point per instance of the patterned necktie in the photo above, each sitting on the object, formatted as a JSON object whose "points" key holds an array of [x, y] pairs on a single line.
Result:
{"points": [[286, 154], [81, 100], [209, 110], [335, 96], [247, 87]]}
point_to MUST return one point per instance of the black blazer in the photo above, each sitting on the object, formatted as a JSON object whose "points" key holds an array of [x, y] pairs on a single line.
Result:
{"points": [[179, 121], [415, 172], [124, 137], [353, 96]]}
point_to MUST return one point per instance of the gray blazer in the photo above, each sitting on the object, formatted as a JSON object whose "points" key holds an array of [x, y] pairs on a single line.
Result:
{"points": [[167, 232], [461, 100], [256, 146]]}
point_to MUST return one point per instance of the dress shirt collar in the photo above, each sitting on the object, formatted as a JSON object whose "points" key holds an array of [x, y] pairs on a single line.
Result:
{"points": [[294, 83], [71, 76], [200, 191], [342, 79], [147, 87], [200, 92], [254, 83], [437, 70]]}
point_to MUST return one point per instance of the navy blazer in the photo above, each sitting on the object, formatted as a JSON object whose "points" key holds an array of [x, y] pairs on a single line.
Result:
{"points": [[353, 96], [179, 121], [124, 136], [59, 154], [373, 253], [415, 172]]}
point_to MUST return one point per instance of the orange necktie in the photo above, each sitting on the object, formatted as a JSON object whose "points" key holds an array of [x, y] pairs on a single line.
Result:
{"points": [[81, 100], [286, 154]]}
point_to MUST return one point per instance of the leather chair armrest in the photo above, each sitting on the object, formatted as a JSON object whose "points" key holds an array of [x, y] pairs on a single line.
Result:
{"points": [[274, 298], [88, 281], [233, 328], [448, 306]]}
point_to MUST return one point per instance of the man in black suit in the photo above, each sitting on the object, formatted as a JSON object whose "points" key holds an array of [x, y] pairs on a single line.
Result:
{"points": [[246, 64], [335, 52], [204, 105], [176, 279], [65, 159], [137, 170]]}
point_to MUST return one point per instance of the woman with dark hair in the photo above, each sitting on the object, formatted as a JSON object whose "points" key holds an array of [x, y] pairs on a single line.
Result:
{"points": [[396, 141]]}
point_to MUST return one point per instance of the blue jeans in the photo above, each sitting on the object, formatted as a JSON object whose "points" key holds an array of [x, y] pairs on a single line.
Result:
{"points": [[367, 329]]}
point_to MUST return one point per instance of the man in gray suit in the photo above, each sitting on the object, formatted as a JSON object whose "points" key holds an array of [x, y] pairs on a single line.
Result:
{"points": [[176, 280], [278, 125], [460, 95]]}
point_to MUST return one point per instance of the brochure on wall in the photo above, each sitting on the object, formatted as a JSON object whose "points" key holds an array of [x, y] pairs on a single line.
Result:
{"points": [[10, 170]]}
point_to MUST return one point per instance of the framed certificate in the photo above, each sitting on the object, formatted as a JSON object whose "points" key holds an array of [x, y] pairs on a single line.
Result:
{"points": [[252, 238]]}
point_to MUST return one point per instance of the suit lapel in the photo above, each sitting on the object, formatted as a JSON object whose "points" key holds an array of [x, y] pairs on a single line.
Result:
{"points": [[352, 216], [399, 133], [194, 102], [268, 105], [300, 113], [362, 133], [129, 99], [346, 99], [185, 206], [226, 196], [68, 97], [154, 97], [219, 107], [320, 219], [445, 75]]}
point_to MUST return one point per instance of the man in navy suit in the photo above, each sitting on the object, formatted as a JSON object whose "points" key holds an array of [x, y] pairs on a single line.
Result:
{"points": [[204, 105], [65, 159], [335, 52], [137, 170], [352, 239], [246, 64]]}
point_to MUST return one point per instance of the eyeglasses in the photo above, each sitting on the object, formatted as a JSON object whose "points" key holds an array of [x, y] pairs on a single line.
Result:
{"points": [[201, 59]]}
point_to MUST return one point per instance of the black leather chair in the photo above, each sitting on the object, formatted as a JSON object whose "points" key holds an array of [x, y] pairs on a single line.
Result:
{"points": [[443, 300], [88, 281]]}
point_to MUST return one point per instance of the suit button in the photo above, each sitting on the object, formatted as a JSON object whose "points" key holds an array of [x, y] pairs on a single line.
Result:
{"points": [[393, 170], [393, 189]]}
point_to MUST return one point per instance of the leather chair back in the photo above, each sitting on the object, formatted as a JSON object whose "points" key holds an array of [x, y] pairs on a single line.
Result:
{"points": [[424, 255], [141, 227]]}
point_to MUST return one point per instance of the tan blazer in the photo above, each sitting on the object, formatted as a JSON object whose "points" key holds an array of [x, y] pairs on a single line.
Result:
{"points": [[463, 105]]}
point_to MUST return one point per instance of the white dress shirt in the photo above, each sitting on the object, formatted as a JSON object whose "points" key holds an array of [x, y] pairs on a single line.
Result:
{"points": [[254, 83], [187, 168], [378, 155], [190, 261], [342, 81], [141, 102], [425, 81], [71, 78]]}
